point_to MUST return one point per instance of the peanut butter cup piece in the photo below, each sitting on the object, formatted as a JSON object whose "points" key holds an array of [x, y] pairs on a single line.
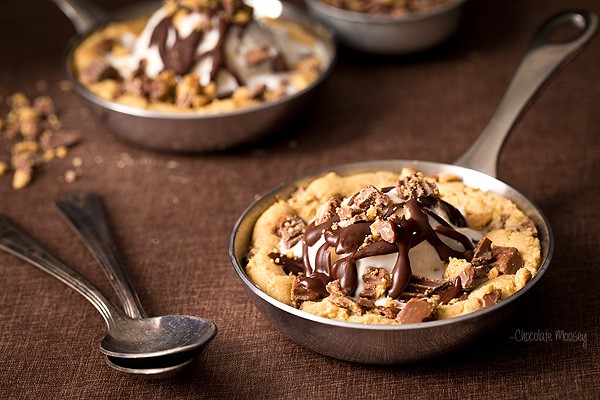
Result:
{"points": [[328, 210], [368, 204], [291, 228], [339, 297], [416, 310], [416, 186], [370, 196], [376, 282], [388, 230]]}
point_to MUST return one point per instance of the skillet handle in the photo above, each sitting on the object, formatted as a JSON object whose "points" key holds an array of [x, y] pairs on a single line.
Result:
{"points": [[83, 15], [545, 55]]}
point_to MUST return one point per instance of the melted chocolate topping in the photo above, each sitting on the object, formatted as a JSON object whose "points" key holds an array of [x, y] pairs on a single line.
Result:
{"points": [[316, 283], [182, 56], [289, 264], [348, 242]]}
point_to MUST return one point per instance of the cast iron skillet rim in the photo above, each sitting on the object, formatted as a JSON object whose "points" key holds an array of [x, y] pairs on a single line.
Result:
{"points": [[324, 31], [366, 18], [370, 327]]}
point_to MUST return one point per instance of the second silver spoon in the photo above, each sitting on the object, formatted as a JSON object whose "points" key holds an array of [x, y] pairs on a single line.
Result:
{"points": [[85, 214]]}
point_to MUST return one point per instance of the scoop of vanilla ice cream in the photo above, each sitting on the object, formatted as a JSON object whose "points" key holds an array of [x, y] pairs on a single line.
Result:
{"points": [[220, 53]]}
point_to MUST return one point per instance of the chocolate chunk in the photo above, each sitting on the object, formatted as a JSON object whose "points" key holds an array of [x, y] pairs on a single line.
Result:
{"points": [[492, 298], [99, 70], [483, 252], [279, 63], [302, 290], [507, 259], [339, 297], [467, 276], [387, 230], [257, 55], [366, 303], [328, 210], [257, 92], [377, 281], [420, 286], [526, 226], [416, 186], [291, 228], [416, 310], [159, 90], [451, 291]]}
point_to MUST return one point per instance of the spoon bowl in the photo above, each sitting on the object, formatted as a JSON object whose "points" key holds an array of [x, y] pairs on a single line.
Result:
{"points": [[157, 336]]}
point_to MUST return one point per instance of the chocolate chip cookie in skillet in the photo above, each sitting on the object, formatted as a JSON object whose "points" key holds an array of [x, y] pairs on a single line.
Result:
{"points": [[196, 75], [198, 56], [413, 265], [376, 248]]}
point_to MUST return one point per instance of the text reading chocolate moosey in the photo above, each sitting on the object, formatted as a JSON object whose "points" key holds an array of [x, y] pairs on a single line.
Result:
{"points": [[386, 249]]}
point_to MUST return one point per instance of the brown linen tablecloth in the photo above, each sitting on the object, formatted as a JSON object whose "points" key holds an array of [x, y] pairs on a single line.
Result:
{"points": [[172, 216]]}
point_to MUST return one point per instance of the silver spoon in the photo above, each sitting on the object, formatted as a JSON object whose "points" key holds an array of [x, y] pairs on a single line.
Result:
{"points": [[127, 339], [85, 214]]}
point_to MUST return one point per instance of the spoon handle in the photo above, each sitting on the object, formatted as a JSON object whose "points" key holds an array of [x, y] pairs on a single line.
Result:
{"points": [[18, 242], [546, 54], [85, 214]]}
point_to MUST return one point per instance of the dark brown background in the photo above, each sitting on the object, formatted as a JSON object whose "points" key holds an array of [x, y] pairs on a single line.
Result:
{"points": [[173, 224]]}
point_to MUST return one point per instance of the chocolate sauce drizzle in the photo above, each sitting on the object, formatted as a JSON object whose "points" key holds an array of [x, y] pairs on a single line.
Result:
{"points": [[181, 57], [412, 220]]}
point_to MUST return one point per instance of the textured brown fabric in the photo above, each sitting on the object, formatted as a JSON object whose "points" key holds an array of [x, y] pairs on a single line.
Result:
{"points": [[172, 216]]}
